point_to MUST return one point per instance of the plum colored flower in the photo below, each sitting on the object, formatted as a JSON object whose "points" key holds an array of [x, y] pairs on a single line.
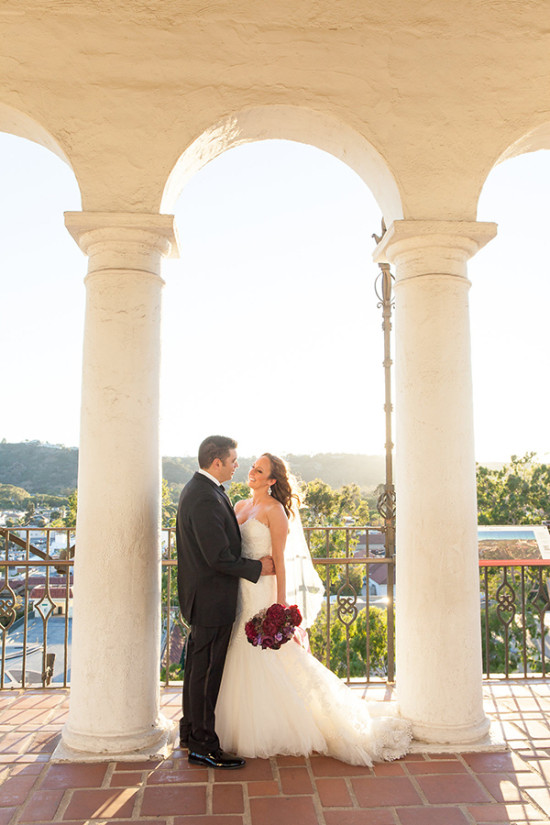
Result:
{"points": [[273, 627], [295, 614], [276, 612]]}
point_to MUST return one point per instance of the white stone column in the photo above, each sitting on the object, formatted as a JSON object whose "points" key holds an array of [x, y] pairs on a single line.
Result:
{"points": [[438, 638], [114, 699]]}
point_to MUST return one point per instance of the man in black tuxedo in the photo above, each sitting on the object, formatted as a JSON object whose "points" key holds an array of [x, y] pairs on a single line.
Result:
{"points": [[209, 567]]}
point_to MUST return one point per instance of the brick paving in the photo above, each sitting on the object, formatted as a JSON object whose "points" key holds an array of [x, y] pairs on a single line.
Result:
{"points": [[421, 789]]}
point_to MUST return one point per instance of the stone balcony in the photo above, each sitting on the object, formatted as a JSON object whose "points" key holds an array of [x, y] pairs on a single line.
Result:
{"points": [[509, 786]]}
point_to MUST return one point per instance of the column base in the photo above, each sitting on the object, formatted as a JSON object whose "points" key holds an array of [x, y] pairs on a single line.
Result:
{"points": [[155, 745], [452, 735], [492, 742]]}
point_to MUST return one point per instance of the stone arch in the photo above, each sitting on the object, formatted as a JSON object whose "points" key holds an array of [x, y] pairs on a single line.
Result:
{"points": [[33, 204], [503, 296], [534, 140], [17, 123], [289, 123]]}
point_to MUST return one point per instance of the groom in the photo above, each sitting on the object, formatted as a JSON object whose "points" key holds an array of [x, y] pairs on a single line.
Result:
{"points": [[209, 567]]}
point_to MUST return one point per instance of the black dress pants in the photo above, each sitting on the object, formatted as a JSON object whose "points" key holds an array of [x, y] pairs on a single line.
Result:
{"points": [[202, 675]]}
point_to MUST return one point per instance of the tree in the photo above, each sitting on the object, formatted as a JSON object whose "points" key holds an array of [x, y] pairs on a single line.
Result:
{"points": [[169, 504], [70, 518], [320, 502], [325, 507], [175, 673], [46, 500], [238, 491], [518, 493], [29, 512], [356, 636], [13, 498]]}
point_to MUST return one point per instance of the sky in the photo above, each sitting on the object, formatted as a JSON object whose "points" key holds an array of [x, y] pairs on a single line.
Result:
{"points": [[276, 264]]}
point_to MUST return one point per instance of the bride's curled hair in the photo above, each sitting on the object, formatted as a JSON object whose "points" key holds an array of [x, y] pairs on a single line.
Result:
{"points": [[286, 488]]}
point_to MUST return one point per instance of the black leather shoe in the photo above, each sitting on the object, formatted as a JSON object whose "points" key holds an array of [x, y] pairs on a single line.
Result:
{"points": [[216, 759]]}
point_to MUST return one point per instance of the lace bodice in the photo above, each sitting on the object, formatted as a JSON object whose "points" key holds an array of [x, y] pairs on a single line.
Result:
{"points": [[256, 539], [256, 542]]}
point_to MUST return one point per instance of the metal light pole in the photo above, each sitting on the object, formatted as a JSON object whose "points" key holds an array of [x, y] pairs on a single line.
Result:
{"points": [[383, 288]]}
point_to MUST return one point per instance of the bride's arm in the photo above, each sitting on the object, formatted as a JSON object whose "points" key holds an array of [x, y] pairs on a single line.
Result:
{"points": [[278, 527]]}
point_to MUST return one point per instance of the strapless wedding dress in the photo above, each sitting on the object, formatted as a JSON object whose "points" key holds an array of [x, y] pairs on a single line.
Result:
{"points": [[284, 701]]}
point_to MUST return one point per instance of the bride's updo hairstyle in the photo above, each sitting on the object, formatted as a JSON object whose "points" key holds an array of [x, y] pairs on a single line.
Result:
{"points": [[285, 490]]}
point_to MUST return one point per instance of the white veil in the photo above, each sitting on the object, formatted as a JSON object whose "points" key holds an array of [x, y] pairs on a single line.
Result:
{"points": [[304, 586]]}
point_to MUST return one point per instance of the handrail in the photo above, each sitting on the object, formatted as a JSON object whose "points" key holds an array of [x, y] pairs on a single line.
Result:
{"points": [[514, 606]]}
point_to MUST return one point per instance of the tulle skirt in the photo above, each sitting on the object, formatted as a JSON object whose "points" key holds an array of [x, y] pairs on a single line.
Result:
{"points": [[285, 702]]}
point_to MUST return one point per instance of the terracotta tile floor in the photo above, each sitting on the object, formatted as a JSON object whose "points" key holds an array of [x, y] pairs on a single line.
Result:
{"points": [[441, 789]]}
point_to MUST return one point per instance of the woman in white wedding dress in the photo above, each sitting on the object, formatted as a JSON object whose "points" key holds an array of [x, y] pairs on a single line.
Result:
{"points": [[284, 701]]}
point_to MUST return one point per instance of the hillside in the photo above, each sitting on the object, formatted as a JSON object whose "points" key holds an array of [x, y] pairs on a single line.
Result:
{"points": [[38, 467], [367, 471], [47, 468]]}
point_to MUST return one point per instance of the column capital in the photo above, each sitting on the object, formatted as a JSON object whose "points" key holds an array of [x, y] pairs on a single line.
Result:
{"points": [[432, 247], [90, 229]]}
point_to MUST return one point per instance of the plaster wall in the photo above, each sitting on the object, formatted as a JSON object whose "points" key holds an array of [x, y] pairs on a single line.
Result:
{"points": [[439, 91]]}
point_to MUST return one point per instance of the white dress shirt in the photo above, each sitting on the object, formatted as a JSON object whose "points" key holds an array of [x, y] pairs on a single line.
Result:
{"points": [[215, 480]]}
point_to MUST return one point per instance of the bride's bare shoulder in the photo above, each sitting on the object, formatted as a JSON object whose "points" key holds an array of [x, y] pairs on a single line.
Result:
{"points": [[276, 512]]}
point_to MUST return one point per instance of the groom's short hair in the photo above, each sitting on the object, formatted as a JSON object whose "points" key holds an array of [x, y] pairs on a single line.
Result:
{"points": [[215, 446]]}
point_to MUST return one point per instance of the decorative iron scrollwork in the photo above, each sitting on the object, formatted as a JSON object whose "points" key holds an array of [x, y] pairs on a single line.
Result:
{"points": [[539, 596], [386, 503], [383, 287], [50, 606], [506, 601], [8, 600], [346, 605]]}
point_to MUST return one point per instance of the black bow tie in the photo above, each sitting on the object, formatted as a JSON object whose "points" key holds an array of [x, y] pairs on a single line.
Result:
{"points": [[222, 488]]}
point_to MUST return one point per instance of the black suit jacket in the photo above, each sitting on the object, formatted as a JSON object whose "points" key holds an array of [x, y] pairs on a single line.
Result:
{"points": [[210, 564]]}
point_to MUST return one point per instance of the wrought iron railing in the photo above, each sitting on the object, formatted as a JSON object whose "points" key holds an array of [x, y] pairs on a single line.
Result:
{"points": [[36, 580], [515, 617], [352, 635], [342, 638]]}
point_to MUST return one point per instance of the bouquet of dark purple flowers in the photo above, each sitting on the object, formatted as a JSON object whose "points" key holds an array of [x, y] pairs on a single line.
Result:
{"points": [[273, 626]]}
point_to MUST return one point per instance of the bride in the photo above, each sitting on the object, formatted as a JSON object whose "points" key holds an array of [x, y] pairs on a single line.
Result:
{"points": [[284, 701]]}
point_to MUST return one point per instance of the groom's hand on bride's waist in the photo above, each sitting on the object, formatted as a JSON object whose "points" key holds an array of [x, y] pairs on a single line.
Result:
{"points": [[268, 568]]}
